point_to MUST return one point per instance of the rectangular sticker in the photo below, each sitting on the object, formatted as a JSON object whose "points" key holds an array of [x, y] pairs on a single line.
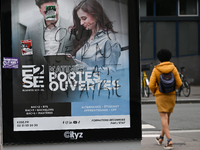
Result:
{"points": [[26, 47], [10, 63], [50, 12]]}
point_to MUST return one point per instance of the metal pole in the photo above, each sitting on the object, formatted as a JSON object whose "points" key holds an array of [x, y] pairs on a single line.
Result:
{"points": [[142, 84]]}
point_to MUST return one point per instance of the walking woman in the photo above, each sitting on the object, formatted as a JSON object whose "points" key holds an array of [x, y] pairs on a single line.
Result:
{"points": [[165, 101]]}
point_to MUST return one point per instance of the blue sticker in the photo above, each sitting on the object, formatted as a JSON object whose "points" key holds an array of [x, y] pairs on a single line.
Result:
{"points": [[10, 62]]}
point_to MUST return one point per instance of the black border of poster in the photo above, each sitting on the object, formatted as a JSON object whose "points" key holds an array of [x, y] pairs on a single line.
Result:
{"points": [[132, 133]]}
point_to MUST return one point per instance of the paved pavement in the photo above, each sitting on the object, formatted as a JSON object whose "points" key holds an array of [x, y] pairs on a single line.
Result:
{"points": [[194, 97], [183, 140]]}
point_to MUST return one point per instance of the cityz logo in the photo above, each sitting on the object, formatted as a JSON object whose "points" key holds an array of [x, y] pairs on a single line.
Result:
{"points": [[73, 135], [33, 76]]}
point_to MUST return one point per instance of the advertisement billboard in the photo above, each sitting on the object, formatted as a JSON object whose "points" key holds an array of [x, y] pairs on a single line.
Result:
{"points": [[68, 72]]}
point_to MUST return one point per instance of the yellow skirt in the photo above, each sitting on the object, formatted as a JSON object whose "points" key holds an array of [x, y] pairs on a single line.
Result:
{"points": [[165, 103]]}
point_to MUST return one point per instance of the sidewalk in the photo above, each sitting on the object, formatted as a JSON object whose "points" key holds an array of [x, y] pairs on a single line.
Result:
{"points": [[181, 141], [194, 97], [188, 140]]}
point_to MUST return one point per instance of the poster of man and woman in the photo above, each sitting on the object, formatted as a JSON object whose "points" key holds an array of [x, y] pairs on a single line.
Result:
{"points": [[73, 65]]}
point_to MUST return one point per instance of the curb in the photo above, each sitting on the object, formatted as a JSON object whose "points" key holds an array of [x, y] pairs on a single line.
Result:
{"points": [[177, 101]]}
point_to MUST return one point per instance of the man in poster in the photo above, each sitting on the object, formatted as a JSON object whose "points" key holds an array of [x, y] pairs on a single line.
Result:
{"points": [[49, 36]]}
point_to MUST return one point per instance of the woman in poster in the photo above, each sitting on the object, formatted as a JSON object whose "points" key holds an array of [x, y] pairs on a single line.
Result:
{"points": [[95, 44]]}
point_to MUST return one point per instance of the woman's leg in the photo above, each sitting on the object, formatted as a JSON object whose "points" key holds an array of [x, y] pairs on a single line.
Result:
{"points": [[165, 124], [168, 117], [165, 117], [163, 133]]}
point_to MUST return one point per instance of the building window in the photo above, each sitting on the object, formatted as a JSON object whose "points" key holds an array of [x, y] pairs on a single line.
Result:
{"points": [[146, 8], [147, 48], [150, 7], [165, 7], [188, 7], [166, 36], [188, 38]]}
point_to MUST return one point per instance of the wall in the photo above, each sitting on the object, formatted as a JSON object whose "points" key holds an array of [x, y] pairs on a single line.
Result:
{"points": [[191, 64]]}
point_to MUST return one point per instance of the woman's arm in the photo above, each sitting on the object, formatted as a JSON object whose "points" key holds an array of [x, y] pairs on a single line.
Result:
{"points": [[177, 78], [152, 82]]}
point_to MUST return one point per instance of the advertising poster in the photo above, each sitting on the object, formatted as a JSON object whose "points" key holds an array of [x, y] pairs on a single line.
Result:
{"points": [[69, 72]]}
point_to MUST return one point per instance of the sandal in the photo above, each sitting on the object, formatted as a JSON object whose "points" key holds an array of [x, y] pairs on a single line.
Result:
{"points": [[158, 140], [168, 146]]}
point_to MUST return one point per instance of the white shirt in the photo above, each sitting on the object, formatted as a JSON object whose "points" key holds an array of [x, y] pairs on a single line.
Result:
{"points": [[51, 45]]}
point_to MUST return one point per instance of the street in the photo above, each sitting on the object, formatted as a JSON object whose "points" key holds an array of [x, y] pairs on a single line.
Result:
{"points": [[184, 126]]}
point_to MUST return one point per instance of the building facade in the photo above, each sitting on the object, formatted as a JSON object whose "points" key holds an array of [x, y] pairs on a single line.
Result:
{"points": [[173, 25]]}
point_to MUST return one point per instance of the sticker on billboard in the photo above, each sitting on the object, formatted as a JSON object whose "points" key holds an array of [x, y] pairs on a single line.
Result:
{"points": [[10, 63], [26, 47], [50, 12]]}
